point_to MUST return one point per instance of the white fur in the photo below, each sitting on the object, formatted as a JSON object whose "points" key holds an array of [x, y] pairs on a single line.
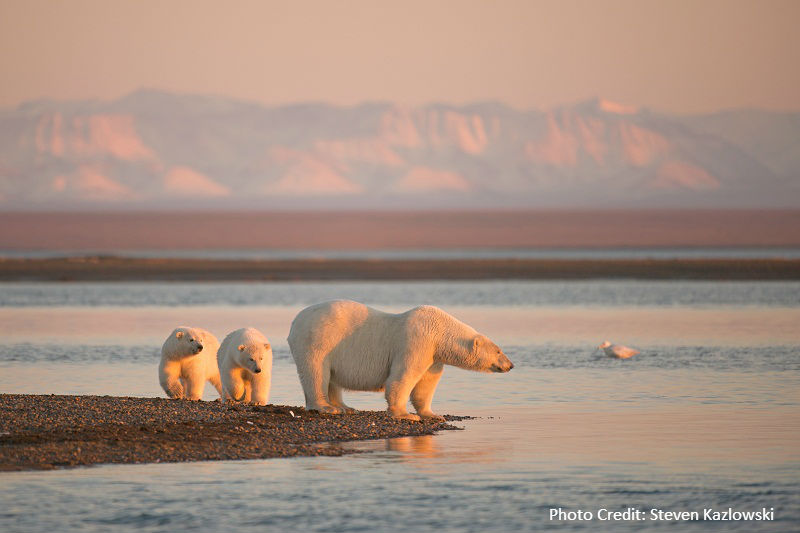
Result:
{"points": [[183, 370], [242, 353], [347, 345]]}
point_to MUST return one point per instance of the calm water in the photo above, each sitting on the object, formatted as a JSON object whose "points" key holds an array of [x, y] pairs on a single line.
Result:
{"points": [[707, 416]]}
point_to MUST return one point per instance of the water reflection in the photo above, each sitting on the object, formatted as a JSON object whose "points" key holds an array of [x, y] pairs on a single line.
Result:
{"points": [[424, 446]]}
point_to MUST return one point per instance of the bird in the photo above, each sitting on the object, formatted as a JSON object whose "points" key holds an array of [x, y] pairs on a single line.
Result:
{"points": [[617, 351]]}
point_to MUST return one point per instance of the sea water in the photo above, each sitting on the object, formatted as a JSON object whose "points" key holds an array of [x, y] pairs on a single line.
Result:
{"points": [[706, 417]]}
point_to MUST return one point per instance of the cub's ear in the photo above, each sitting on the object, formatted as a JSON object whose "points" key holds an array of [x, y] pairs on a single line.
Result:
{"points": [[179, 334], [241, 347], [266, 346]]}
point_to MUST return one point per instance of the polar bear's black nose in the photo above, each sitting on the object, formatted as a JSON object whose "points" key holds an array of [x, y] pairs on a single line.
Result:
{"points": [[257, 370], [199, 347]]}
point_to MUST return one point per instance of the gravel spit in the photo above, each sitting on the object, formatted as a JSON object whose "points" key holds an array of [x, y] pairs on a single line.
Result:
{"points": [[40, 432]]}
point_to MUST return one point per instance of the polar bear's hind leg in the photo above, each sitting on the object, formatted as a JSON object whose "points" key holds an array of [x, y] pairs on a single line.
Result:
{"points": [[335, 397], [217, 383], [316, 380]]}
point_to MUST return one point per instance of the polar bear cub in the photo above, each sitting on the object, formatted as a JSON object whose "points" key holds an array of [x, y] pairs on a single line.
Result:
{"points": [[245, 364], [347, 345], [188, 360]]}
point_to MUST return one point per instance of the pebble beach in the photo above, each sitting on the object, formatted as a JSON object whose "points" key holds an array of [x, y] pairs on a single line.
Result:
{"points": [[43, 432]]}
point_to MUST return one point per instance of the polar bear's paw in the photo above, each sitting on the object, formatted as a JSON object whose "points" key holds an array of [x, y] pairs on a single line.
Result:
{"points": [[346, 408], [430, 415], [329, 409], [175, 392], [406, 416]]}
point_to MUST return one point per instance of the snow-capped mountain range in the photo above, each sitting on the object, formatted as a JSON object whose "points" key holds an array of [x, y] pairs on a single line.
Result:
{"points": [[153, 149]]}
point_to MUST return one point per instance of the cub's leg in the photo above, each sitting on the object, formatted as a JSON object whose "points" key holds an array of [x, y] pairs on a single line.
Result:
{"points": [[217, 383], [232, 384], [260, 389], [422, 394], [194, 387], [335, 397], [169, 377], [248, 387]]}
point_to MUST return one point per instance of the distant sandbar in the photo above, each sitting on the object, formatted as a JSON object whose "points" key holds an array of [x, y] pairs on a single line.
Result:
{"points": [[149, 269]]}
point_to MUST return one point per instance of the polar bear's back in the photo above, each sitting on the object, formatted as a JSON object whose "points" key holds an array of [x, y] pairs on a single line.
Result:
{"points": [[326, 325], [355, 341]]}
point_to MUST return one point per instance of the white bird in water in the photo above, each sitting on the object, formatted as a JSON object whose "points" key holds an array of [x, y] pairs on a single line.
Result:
{"points": [[617, 351]]}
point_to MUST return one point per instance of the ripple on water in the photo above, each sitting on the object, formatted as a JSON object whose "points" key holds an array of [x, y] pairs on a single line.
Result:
{"points": [[604, 293]]}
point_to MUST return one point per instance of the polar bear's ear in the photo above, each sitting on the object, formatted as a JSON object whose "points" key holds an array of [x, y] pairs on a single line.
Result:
{"points": [[266, 346], [241, 347], [476, 343], [179, 334]]}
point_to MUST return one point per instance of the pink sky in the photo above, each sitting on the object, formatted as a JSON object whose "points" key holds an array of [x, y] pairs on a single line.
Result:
{"points": [[677, 55]]}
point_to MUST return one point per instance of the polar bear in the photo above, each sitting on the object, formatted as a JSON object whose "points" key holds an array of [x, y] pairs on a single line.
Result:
{"points": [[347, 345], [188, 360], [245, 364]]}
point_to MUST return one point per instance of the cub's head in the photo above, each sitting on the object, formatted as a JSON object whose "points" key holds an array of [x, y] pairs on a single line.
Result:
{"points": [[488, 356], [252, 355], [187, 341]]}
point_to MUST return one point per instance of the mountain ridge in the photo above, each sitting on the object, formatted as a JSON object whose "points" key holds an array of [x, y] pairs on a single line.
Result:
{"points": [[152, 148]]}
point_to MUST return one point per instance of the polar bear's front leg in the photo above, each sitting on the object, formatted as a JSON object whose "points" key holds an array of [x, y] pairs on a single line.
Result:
{"points": [[232, 385], [248, 391], [260, 392], [169, 376], [194, 387], [247, 381], [422, 394], [398, 389]]}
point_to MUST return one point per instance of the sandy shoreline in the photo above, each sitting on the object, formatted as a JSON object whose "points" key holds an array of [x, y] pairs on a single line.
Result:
{"points": [[145, 269], [42, 432]]}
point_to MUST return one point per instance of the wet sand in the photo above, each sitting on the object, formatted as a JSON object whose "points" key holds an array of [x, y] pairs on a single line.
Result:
{"points": [[107, 268], [42, 432]]}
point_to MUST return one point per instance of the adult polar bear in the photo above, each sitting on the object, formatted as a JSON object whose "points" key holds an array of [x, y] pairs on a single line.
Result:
{"points": [[347, 345]]}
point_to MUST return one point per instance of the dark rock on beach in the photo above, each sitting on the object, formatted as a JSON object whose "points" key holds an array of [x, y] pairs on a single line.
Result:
{"points": [[49, 431]]}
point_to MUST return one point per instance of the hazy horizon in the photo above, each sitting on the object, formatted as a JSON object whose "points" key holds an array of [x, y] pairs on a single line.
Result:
{"points": [[597, 98], [675, 57]]}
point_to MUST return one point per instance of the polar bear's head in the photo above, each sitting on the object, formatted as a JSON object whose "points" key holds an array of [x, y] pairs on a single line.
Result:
{"points": [[486, 356], [185, 341], [252, 354]]}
